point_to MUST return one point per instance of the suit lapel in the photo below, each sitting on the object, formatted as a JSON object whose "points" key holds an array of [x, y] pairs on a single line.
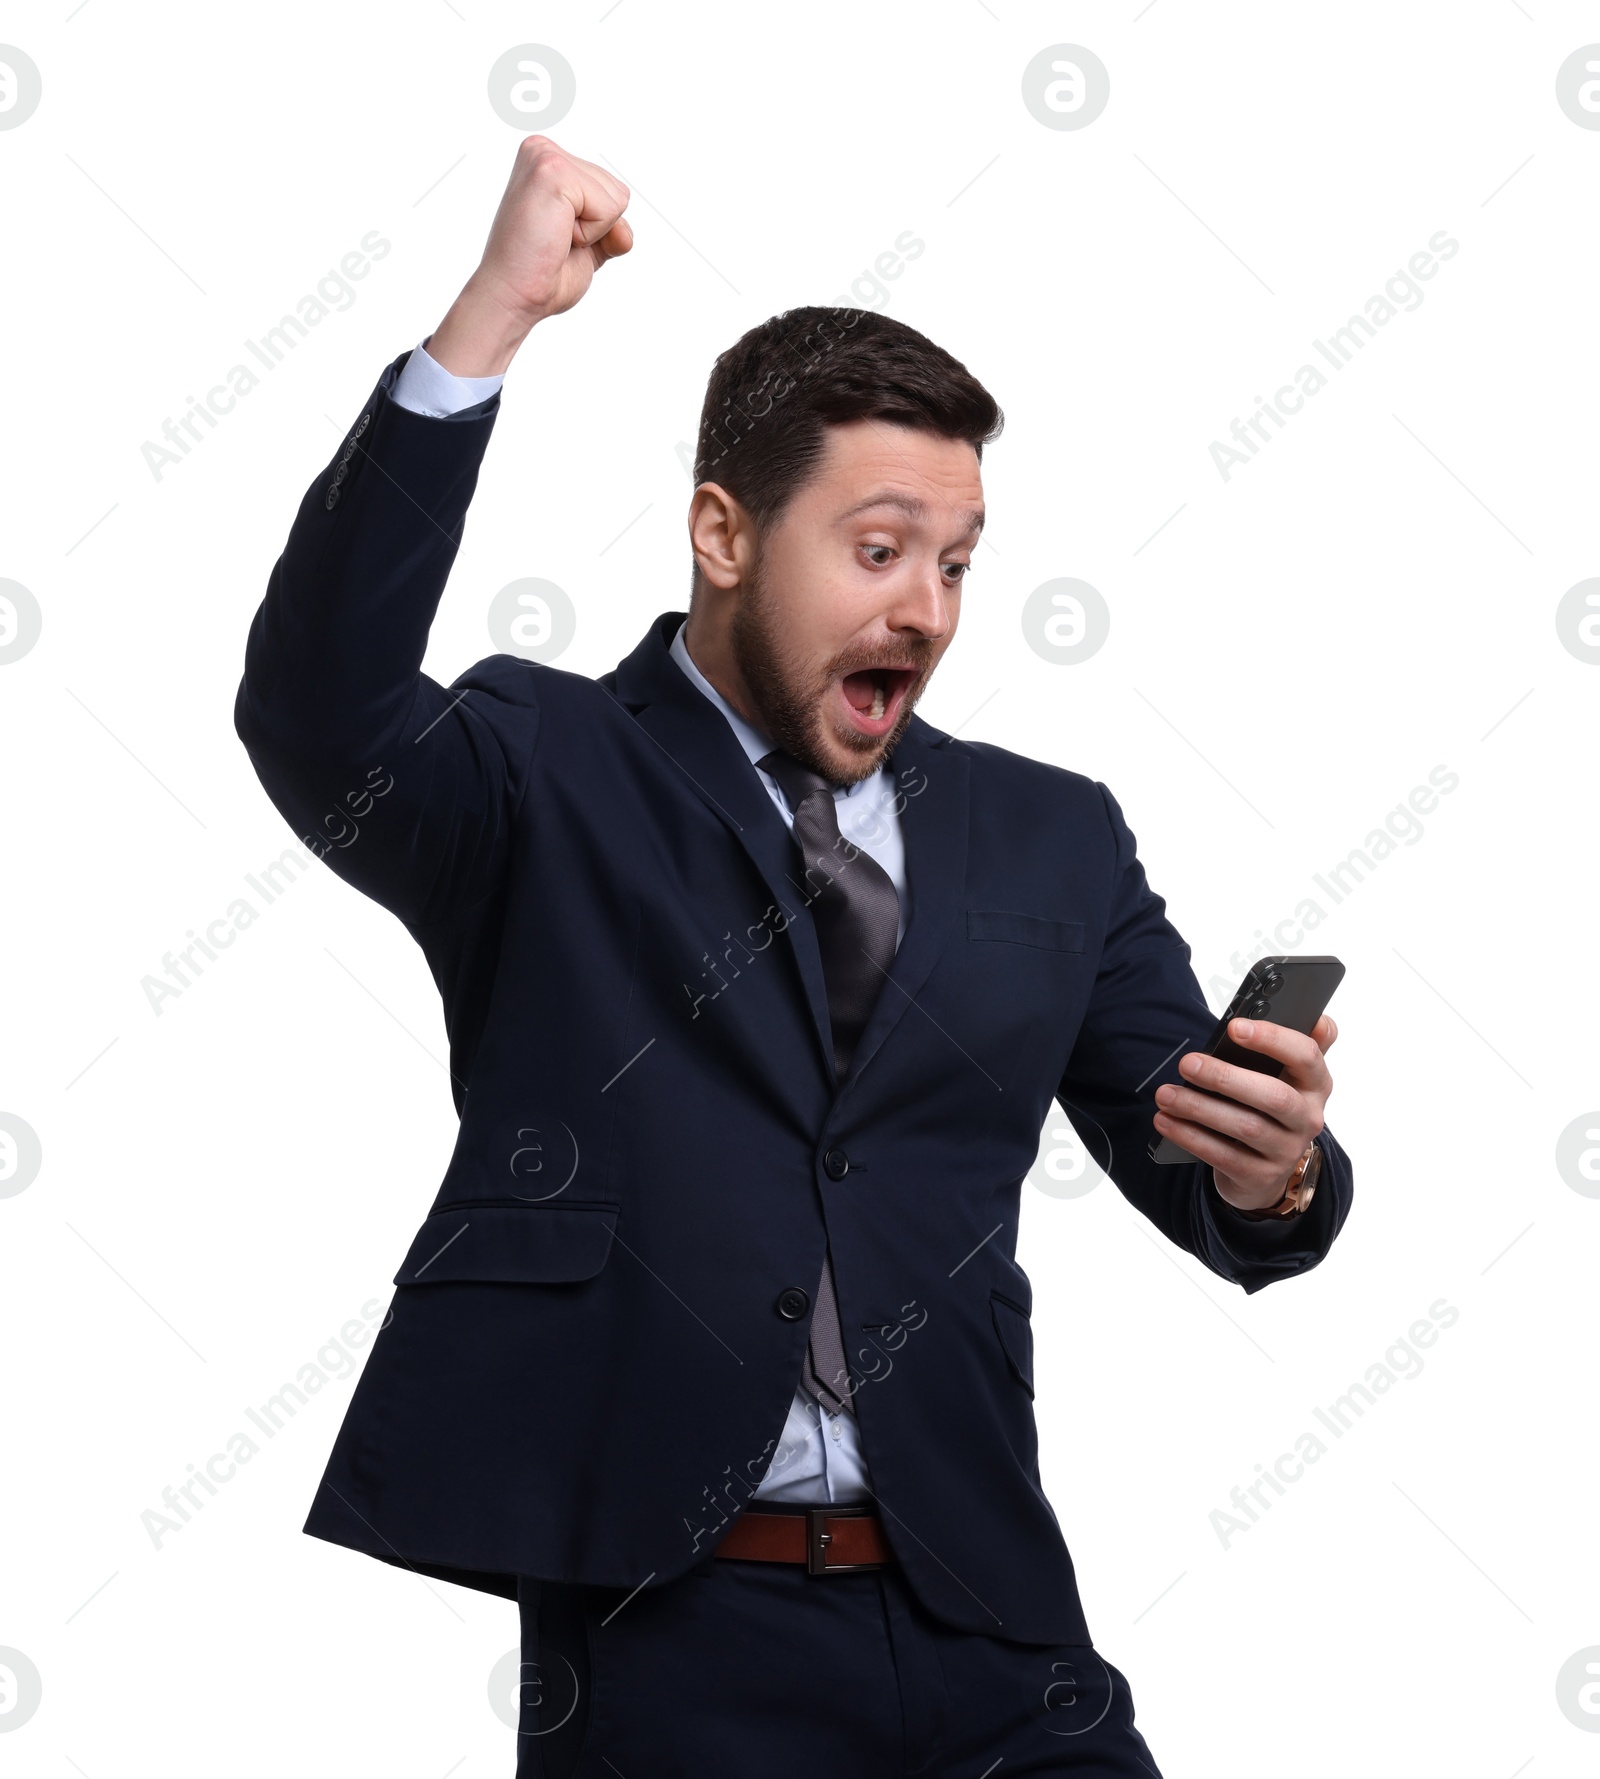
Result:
{"points": [[931, 781], [695, 735]]}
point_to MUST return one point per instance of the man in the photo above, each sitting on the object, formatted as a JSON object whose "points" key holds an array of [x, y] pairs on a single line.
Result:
{"points": [[712, 1351]]}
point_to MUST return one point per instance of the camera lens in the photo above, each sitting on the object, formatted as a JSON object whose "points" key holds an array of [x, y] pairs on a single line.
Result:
{"points": [[1258, 1008], [1271, 979]]}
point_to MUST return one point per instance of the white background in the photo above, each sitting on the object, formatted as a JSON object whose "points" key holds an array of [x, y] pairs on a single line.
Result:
{"points": [[226, 1183]]}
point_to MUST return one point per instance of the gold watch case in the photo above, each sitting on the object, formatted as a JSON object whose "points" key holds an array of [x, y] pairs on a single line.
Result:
{"points": [[1297, 1195]]}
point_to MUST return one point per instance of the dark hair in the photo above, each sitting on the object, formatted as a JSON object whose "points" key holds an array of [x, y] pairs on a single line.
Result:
{"points": [[774, 392]]}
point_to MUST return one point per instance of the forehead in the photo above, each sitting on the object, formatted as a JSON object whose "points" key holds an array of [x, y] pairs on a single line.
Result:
{"points": [[920, 474]]}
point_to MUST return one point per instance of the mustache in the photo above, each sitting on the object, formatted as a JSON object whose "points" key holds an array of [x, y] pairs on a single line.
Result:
{"points": [[860, 662]]}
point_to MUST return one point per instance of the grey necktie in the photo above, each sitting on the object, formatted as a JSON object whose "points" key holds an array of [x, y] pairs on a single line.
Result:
{"points": [[856, 911]]}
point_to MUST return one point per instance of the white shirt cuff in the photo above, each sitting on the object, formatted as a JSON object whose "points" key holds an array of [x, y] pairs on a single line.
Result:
{"points": [[426, 387]]}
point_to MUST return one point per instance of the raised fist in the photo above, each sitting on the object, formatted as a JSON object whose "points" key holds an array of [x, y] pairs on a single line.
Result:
{"points": [[559, 220]]}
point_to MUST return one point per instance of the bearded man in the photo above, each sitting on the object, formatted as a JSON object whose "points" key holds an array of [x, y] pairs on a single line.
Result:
{"points": [[713, 1352]]}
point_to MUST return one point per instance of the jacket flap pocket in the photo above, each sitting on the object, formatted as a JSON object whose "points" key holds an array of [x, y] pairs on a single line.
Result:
{"points": [[1016, 1336], [1025, 929], [510, 1244]]}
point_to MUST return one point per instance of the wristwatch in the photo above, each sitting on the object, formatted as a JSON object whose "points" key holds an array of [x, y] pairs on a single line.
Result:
{"points": [[1298, 1193]]}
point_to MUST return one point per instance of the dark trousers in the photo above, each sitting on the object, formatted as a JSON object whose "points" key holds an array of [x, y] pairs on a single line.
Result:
{"points": [[743, 1668]]}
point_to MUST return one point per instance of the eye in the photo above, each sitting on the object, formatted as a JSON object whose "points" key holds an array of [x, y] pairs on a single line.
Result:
{"points": [[962, 570], [872, 549]]}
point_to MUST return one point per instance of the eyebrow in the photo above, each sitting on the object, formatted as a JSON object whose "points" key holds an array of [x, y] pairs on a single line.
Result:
{"points": [[913, 506]]}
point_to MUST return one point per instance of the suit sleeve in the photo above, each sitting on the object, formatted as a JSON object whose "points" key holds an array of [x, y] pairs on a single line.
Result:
{"points": [[404, 787], [1146, 1009]]}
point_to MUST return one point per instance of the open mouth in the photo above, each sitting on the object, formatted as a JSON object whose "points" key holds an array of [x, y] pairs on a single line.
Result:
{"points": [[874, 697]]}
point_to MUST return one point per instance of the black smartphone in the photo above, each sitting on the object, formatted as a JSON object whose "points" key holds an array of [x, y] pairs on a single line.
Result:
{"points": [[1289, 991]]}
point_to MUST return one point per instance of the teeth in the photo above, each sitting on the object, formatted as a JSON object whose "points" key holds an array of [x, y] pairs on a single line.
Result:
{"points": [[877, 702]]}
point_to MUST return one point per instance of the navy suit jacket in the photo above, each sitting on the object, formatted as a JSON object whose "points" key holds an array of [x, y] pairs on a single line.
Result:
{"points": [[586, 1367]]}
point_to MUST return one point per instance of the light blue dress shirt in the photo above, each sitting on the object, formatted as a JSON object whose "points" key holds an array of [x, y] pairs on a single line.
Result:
{"points": [[819, 1457]]}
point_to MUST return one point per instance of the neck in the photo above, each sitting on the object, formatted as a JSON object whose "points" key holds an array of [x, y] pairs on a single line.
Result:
{"points": [[711, 650]]}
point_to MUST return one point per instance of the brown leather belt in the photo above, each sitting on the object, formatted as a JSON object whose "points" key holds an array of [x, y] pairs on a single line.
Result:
{"points": [[826, 1539]]}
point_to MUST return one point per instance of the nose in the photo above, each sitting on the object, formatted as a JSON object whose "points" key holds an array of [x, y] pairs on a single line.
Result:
{"points": [[922, 604]]}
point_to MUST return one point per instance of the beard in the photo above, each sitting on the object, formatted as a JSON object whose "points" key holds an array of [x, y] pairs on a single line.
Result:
{"points": [[789, 696]]}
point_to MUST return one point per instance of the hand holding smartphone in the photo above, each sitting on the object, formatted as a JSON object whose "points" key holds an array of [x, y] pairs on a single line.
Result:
{"points": [[1287, 991]]}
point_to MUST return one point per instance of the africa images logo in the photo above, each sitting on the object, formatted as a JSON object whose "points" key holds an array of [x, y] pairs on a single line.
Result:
{"points": [[1402, 293]]}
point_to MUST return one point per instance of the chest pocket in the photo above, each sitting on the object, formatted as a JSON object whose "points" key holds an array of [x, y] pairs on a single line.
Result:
{"points": [[1002, 927]]}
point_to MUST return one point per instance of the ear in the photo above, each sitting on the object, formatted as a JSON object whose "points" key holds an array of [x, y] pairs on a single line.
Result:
{"points": [[721, 535]]}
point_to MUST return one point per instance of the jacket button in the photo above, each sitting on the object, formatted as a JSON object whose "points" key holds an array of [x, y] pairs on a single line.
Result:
{"points": [[333, 498], [836, 1164], [793, 1303]]}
